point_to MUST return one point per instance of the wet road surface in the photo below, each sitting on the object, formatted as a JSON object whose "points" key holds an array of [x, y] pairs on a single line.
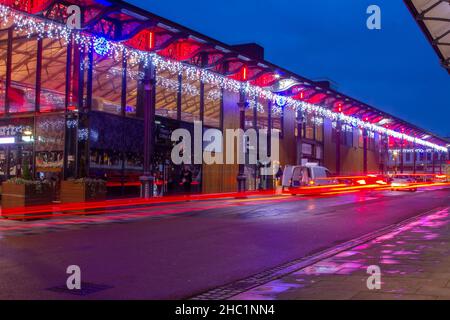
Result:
{"points": [[192, 247]]}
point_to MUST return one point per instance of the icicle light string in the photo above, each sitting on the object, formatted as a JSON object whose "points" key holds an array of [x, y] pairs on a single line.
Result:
{"points": [[46, 29]]}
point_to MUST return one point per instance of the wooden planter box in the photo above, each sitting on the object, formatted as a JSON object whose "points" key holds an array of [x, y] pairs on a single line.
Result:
{"points": [[16, 196], [73, 192]]}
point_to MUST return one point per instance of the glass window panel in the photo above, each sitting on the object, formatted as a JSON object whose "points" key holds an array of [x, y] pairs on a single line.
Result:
{"points": [[190, 100], [166, 94], [319, 128], [49, 142], [213, 100], [22, 94], [250, 113], [134, 75], [107, 83], [263, 115], [309, 126], [277, 120], [53, 75]]}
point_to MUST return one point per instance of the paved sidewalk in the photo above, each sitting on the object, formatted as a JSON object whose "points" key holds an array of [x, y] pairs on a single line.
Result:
{"points": [[414, 261]]}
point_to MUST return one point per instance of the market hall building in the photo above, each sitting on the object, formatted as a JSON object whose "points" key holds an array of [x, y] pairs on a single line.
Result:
{"points": [[102, 101]]}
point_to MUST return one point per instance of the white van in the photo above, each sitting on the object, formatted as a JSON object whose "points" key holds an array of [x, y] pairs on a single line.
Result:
{"points": [[310, 174]]}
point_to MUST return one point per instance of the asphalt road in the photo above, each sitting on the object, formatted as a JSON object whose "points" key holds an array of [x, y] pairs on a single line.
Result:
{"points": [[202, 246]]}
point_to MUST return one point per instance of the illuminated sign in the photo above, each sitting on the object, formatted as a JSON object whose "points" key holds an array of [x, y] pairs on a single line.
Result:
{"points": [[8, 140], [12, 130]]}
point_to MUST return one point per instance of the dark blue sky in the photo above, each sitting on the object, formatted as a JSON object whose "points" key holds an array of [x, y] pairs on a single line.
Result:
{"points": [[394, 69]]}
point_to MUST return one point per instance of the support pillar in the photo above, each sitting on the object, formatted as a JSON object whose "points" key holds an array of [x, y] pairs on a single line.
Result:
{"points": [[402, 163], [387, 157], [414, 159], [433, 159], [241, 178], [8, 73], [71, 121], [365, 142], [149, 124], [338, 147], [299, 140]]}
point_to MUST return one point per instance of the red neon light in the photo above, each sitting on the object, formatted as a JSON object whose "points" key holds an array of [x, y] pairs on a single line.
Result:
{"points": [[144, 40], [244, 73], [151, 40]]}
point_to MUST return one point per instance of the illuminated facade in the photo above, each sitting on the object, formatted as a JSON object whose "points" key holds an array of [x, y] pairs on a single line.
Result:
{"points": [[102, 102]]}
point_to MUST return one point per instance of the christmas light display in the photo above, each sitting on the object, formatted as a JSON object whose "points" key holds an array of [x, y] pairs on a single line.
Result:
{"points": [[35, 26]]}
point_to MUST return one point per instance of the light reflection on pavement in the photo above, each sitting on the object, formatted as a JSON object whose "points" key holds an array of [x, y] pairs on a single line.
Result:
{"points": [[414, 261]]}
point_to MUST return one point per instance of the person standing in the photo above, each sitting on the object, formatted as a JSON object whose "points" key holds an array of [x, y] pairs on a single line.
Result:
{"points": [[186, 179]]}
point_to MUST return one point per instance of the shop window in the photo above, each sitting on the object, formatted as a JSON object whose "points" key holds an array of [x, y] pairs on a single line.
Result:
{"points": [[319, 128], [3, 54], [347, 135], [309, 127], [107, 83], [166, 94], [22, 94], [319, 152], [190, 99], [371, 143], [115, 143], [360, 138], [408, 157], [213, 102], [53, 75], [49, 143]]}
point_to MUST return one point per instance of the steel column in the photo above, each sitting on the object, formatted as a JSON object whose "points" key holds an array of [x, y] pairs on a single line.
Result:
{"points": [[241, 178], [147, 178], [8, 71], [123, 111], [414, 159], [433, 159], [38, 76], [338, 147], [402, 164], [365, 142], [299, 138]]}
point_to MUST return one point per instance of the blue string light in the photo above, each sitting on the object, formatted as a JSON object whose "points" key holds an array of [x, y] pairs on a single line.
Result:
{"points": [[101, 46]]}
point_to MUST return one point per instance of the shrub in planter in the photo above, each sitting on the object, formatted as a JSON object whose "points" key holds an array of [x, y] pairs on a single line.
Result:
{"points": [[19, 193], [82, 190]]}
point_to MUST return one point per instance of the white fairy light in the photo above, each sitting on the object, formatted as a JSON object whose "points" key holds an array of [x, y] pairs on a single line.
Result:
{"points": [[36, 26]]}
